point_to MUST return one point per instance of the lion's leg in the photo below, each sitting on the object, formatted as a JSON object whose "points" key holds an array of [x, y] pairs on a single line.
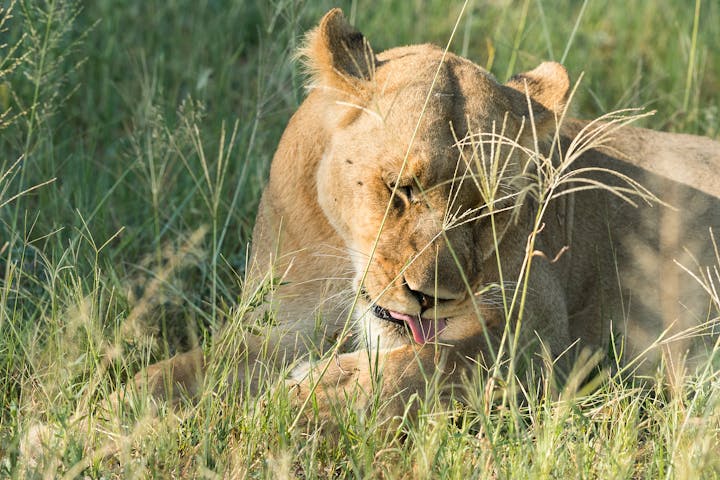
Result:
{"points": [[183, 375], [387, 379], [247, 358], [168, 379]]}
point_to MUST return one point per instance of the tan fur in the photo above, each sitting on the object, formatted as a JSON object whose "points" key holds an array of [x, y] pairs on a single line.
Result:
{"points": [[366, 127]]}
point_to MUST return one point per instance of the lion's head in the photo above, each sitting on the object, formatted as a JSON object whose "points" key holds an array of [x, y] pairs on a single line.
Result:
{"points": [[411, 178]]}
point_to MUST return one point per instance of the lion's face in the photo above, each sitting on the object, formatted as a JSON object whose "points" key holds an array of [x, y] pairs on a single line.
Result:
{"points": [[404, 180]]}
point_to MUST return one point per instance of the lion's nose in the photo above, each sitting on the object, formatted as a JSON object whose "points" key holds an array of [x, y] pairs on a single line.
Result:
{"points": [[428, 296], [425, 301]]}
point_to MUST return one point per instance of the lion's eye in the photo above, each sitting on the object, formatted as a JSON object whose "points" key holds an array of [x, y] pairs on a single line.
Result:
{"points": [[403, 195], [405, 192]]}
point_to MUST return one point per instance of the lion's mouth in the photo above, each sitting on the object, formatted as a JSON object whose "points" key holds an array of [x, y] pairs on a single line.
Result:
{"points": [[423, 330]]}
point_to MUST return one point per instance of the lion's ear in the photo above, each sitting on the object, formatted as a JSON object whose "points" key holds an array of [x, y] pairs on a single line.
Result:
{"points": [[548, 86], [337, 55]]}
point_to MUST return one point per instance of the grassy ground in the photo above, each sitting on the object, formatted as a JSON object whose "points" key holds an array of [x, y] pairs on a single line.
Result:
{"points": [[135, 139]]}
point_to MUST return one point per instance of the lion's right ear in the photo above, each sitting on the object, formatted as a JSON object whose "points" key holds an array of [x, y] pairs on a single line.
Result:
{"points": [[548, 87], [337, 55]]}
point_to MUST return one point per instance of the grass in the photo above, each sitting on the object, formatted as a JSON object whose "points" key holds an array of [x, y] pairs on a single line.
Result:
{"points": [[135, 142]]}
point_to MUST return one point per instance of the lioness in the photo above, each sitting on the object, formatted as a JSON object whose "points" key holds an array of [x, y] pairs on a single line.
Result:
{"points": [[447, 221]]}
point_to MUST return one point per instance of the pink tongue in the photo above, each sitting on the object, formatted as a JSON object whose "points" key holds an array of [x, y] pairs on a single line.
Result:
{"points": [[423, 330]]}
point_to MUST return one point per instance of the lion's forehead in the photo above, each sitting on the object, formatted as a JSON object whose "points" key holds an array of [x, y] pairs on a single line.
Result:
{"points": [[418, 79], [423, 107], [433, 107]]}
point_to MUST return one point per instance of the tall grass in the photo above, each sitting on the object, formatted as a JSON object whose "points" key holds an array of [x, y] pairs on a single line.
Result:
{"points": [[135, 142]]}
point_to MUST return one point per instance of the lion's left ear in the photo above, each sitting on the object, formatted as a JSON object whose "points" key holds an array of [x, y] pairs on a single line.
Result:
{"points": [[337, 55], [548, 86]]}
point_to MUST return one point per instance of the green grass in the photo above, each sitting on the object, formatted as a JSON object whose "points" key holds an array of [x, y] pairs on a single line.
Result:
{"points": [[135, 138]]}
